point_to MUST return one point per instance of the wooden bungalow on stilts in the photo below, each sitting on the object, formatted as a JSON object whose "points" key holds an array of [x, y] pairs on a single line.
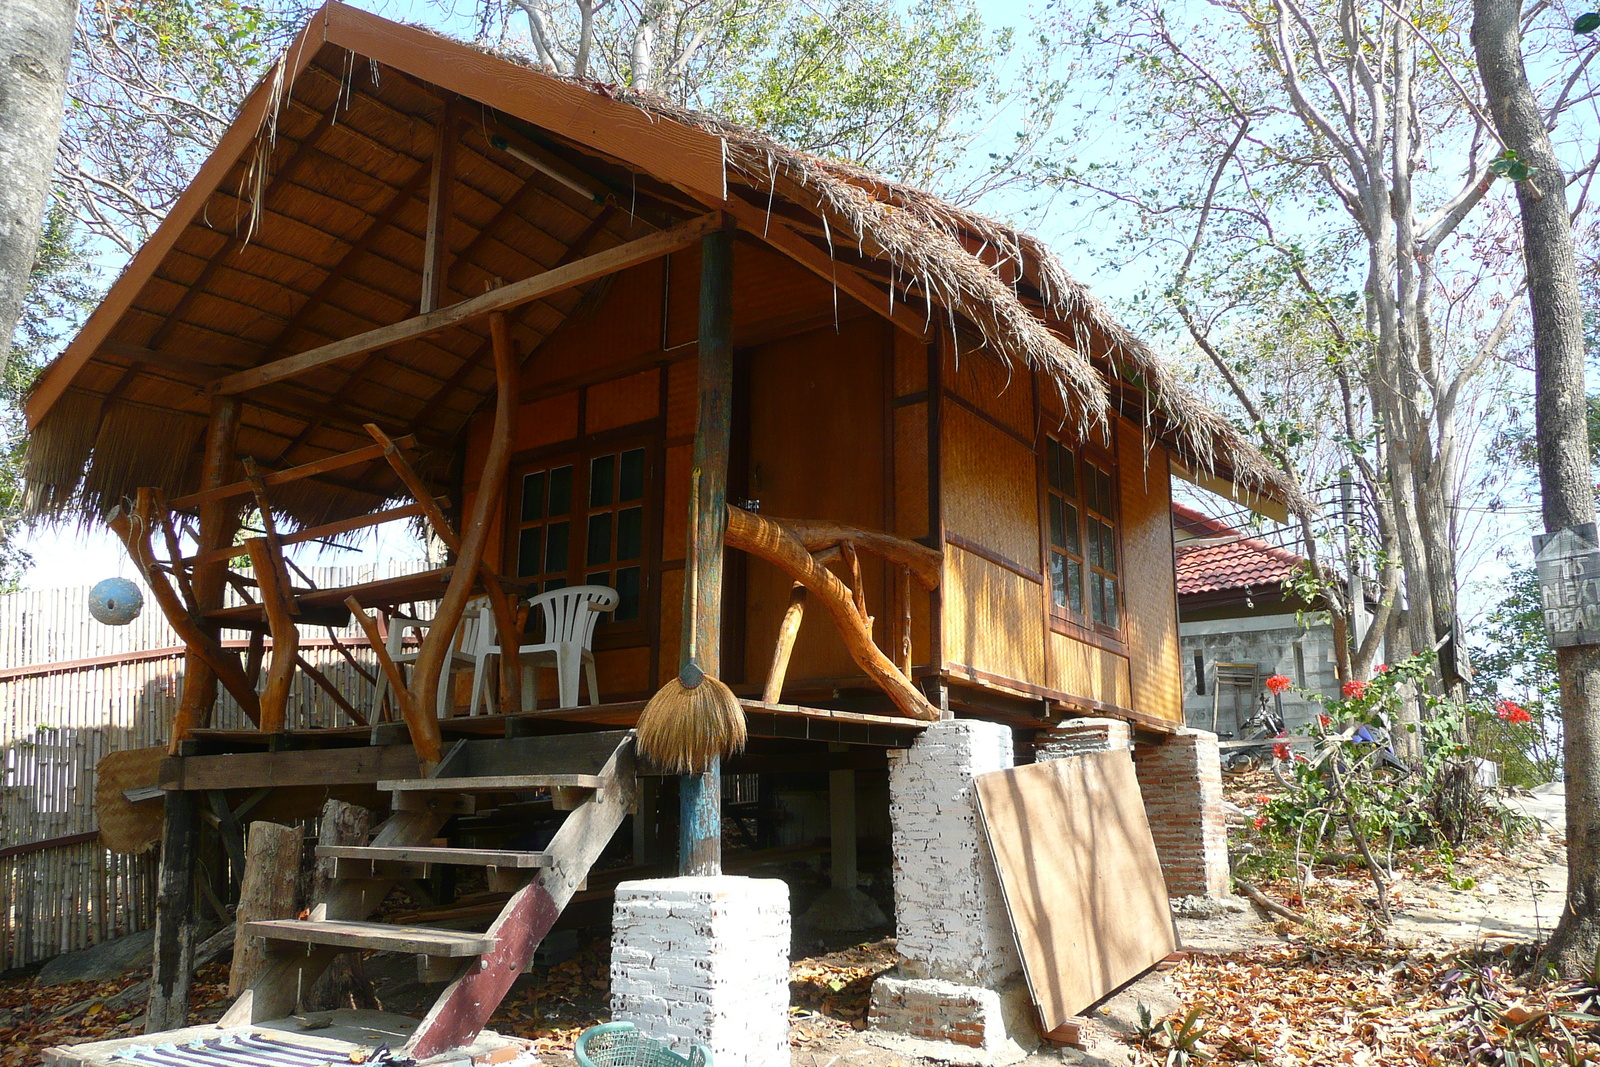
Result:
{"points": [[588, 339]]}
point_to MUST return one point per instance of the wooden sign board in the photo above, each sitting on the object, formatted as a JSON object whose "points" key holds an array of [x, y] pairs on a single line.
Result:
{"points": [[1568, 563], [1082, 884]]}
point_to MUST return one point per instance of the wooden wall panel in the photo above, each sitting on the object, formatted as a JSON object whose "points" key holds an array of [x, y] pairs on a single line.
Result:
{"points": [[991, 488], [675, 505], [610, 329], [683, 397], [1085, 670], [993, 620], [1002, 392], [671, 630], [1148, 576], [817, 451], [910, 364], [911, 517], [545, 422], [766, 285], [622, 401]]}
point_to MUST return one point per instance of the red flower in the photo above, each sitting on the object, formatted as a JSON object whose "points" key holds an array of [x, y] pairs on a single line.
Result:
{"points": [[1280, 751], [1354, 689], [1300, 759], [1260, 821], [1510, 711], [1262, 798], [1278, 683], [1382, 668], [1324, 721]]}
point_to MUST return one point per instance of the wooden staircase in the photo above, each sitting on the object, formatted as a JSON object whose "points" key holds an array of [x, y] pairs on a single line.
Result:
{"points": [[589, 775]]}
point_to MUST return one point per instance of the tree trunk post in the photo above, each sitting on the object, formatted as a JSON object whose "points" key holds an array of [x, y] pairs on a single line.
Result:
{"points": [[269, 890], [344, 984], [1563, 436], [219, 519], [168, 1008], [700, 795]]}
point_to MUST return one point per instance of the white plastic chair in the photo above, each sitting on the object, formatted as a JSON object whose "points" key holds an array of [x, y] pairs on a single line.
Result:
{"points": [[570, 616], [468, 636]]}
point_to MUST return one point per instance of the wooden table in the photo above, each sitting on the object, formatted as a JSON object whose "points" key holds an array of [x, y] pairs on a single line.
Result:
{"points": [[325, 607]]}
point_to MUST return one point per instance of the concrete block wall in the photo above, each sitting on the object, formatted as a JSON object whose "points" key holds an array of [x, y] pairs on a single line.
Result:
{"points": [[949, 912], [705, 961], [1181, 779], [1079, 737]]}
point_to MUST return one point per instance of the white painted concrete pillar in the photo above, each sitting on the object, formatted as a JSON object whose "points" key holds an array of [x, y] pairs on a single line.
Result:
{"points": [[705, 961]]}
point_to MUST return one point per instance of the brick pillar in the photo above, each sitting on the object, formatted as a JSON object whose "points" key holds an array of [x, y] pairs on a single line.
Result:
{"points": [[957, 979], [705, 961], [1181, 779], [1079, 737]]}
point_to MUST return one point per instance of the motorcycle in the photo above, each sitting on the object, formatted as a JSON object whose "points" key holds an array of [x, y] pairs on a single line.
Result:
{"points": [[1267, 726]]}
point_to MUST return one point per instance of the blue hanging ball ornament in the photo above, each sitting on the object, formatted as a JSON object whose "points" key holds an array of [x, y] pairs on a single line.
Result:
{"points": [[115, 602]]}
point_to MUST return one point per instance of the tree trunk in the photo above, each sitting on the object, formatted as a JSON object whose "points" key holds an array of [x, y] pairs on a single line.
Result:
{"points": [[269, 891], [35, 45], [344, 984], [1563, 436]]}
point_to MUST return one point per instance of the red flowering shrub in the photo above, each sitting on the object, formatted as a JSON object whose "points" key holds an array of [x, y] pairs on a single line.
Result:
{"points": [[1511, 711], [1354, 689], [1278, 683], [1324, 722], [1280, 751]]}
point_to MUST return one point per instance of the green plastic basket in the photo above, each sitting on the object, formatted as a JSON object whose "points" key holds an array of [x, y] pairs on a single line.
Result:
{"points": [[621, 1045]]}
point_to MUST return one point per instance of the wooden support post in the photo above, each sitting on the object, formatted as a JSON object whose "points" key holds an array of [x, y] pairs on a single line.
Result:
{"points": [[788, 630], [436, 644], [174, 951], [134, 529], [842, 825], [345, 982], [267, 891], [285, 638], [903, 661], [504, 607], [218, 521], [436, 243], [700, 825], [391, 670]]}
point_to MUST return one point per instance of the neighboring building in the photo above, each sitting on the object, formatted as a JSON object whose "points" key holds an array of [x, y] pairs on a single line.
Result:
{"points": [[1237, 626]]}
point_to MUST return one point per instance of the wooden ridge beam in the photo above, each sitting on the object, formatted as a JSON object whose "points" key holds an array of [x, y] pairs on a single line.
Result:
{"points": [[506, 297]]}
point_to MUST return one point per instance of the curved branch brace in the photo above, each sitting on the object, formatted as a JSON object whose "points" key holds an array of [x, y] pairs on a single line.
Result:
{"points": [[927, 565], [775, 541]]}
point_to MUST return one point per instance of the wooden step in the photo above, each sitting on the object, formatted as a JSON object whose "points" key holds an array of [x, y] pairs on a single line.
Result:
{"points": [[384, 937], [498, 783], [465, 857]]}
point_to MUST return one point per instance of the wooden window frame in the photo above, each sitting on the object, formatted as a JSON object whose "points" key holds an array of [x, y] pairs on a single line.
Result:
{"points": [[1062, 619], [580, 452]]}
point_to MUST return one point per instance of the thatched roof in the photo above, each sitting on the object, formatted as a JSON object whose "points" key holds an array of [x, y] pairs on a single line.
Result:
{"points": [[306, 226]]}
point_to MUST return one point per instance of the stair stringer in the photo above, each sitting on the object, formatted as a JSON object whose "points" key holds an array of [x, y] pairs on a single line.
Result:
{"points": [[290, 973], [466, 1004]]}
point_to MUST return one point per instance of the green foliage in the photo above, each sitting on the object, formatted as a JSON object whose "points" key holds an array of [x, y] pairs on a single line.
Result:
{"points": [[1509, 165], [1587, 22], [1176, 1040], [1512, 660]]}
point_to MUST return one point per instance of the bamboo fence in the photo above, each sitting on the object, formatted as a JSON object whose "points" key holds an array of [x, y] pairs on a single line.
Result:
{"points": [[72, 691]]}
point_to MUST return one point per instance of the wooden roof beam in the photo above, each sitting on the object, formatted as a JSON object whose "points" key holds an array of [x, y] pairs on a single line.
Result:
{"points": [[506, 297]]}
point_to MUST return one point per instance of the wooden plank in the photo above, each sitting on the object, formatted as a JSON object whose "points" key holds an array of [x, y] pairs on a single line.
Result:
{"points": [[436, 237], [502, 299], [364, 454], [1078, 869], [253, 770], [384, 937], [463, 1009], [467, 857], [680, 155], [492, 783]]}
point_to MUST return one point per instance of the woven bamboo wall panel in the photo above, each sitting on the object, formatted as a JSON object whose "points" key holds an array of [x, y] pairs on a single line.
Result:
{"points": [[622, 401], [1084, 670], [1001, 392], [766, 285], [546, 422], [911, 473], [910, 364], [991, 488], [613, 326], [1148, 577], [817, 451], [671, 629], [683, 398], [993, 618], [60, 716]]}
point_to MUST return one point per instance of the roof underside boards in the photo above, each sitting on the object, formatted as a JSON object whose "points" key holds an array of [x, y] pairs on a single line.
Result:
{"points": [[335, 249], [309, 225]]}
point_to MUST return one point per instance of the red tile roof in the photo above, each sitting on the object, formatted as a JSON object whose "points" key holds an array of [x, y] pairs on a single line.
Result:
{"points": [[1239, 563]]}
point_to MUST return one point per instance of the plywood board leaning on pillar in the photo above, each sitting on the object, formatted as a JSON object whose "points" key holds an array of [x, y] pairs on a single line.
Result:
{"points": [[1082, 884]]}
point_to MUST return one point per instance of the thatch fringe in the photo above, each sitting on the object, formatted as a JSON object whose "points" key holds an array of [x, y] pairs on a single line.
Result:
{"points": [[139, 446], [57, 454]]}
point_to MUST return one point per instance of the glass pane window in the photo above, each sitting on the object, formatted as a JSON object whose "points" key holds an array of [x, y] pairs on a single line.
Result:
{"points": [[544, 525], [1081, 501], [614, 549]]}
